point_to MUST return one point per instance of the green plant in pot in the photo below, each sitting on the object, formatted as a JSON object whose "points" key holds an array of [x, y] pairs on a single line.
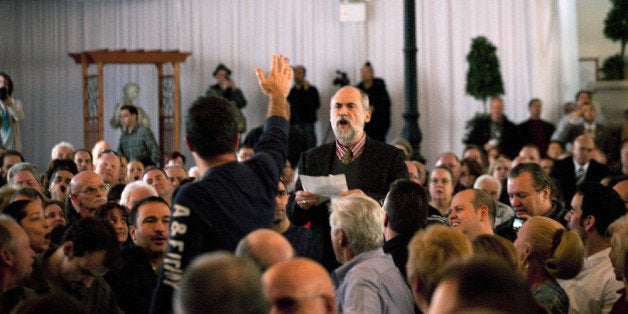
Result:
{"points": [[616, 29]]}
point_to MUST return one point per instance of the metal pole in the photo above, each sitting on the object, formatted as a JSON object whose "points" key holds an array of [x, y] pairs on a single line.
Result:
{"points": [[411, 129]]}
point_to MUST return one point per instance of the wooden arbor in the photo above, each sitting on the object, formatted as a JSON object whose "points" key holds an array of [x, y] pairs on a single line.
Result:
{"points": [[169, 91]]}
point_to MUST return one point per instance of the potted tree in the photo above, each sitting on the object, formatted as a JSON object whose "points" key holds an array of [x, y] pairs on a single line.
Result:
{"points": [[484, 80], [616, 29]]}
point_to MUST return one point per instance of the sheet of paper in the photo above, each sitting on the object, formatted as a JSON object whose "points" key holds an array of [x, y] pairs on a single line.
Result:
{"points": [[324, 186]]}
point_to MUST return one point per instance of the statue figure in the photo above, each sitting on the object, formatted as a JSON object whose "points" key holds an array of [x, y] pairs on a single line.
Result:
{"points": [[130, 94]]}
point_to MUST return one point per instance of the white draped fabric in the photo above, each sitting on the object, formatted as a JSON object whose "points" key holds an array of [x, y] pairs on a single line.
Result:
{"points": [[536, 43]]}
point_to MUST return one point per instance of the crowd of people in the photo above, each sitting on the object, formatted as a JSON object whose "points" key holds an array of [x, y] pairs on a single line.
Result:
{"points": [[529, 218]]}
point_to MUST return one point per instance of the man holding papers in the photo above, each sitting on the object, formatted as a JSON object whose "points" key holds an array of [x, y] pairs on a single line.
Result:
{"points": [[369, 167]]}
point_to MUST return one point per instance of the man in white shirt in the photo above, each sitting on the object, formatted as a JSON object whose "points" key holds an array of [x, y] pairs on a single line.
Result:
{"points": [[594, 289]]}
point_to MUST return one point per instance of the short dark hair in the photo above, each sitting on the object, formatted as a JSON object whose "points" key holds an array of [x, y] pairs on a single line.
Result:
{"points": [[480, 198], [10, 152], [132, 109], [89, 235], [9, 83], [486, 282], [16, 210], [541, 179], [532, 101], [104, 211], [82, 150], [407, 207], [60, 164], [151, 168], [582, 91], [175, 155], [601, 202], [473, 165], [146, 200], [28, 192], [211, 126]]}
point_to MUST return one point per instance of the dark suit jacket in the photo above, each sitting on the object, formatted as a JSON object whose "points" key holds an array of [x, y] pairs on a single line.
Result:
{"points": [[603, 136], [510, 142], [379, 165], [564, 172], [525, 130]]}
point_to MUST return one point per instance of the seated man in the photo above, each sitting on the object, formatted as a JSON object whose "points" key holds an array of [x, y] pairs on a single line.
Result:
{"points": [[176, 174], [302, 239], [299, 285], [482, 285], [135, 191], [472, 213], [24, 174], [16, 259], [133, 284], [89, 249], [265, 248], [368, 280], [493, 187], [221, 283], [108, 166], [63, 150], [158, 178], [87, 193]]}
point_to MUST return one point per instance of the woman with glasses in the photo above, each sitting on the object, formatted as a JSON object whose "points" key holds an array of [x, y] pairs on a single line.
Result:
{"points": [[441, 188]]}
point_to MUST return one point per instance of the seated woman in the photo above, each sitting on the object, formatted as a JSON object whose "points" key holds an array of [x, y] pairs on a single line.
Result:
{"points": [[30, 215], [471, 170], [118, 216], [547, 251]]}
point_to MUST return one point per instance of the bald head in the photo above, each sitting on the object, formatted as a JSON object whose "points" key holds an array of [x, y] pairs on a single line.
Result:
{"points": [[300, 285], [622, 189], [265, 247]]}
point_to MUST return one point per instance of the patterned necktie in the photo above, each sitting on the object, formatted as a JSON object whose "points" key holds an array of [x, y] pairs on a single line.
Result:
{"points": [[347, 157], [580, 175]]}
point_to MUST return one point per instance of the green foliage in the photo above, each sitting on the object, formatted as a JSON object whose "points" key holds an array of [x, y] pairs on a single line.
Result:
{"points": [[470, 125], [613, 68], [616, 29], [484, 79]]}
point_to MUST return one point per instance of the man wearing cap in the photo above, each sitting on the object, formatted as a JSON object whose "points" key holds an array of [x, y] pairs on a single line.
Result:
{"points": [[227, 88]]}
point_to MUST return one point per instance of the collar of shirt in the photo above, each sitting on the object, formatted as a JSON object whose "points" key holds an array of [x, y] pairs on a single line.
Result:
{"points": [[588, 126], [356, 149], [577, 166]]}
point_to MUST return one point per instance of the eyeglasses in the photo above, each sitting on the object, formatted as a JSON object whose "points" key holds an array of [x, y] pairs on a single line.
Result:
{"points": [[93, 189], [282, 193]]}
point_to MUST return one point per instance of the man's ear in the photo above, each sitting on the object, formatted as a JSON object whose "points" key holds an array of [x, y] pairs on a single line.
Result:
{"points": [[6, 258], [132, 232], [342, 239], [237, 141], [68, 249], [330, 303], [386, 220], [589, 223], [367, 117], [188, 144], [415, 283], [484, 212], [528, 250]]}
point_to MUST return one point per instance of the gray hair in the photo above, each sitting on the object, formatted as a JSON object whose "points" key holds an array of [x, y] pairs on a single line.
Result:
{"points": [[619, 231], [364, 98], [134, 186], [488, 178], [59, 145], [20, 166], [362, 220]]}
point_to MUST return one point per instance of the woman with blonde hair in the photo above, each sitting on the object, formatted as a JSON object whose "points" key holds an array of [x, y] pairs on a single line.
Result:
{"points": [[547, 251], [499, 168]]}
